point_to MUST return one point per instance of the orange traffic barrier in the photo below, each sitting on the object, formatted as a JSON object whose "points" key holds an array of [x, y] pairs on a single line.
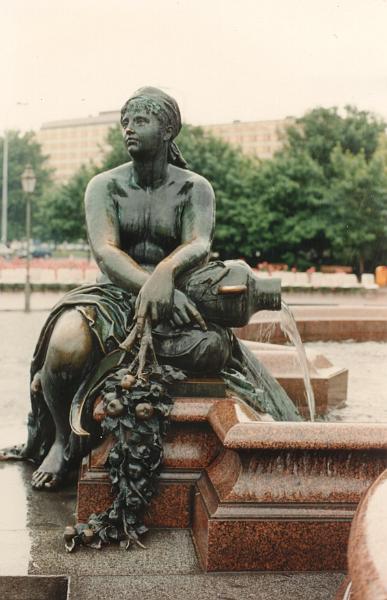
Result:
{"points": [[381, 276]]}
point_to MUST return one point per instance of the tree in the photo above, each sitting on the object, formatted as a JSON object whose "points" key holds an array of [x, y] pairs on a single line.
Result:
{"points": [[231, 174], [358, 192], [61, 214], [349, 213], [117, 154], [320, 130], [22, 149], [291, 220]]}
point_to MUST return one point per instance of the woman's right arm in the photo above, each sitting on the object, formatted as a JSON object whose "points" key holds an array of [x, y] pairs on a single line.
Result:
{"points": [[104, 238]]}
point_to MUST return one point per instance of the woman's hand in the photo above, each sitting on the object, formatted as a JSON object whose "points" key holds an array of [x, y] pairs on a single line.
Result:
{"points": [[155, 299], [184, 311]]}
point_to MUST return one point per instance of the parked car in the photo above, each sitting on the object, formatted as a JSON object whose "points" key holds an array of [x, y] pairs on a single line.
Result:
{"points": [[41, 253], [36, 252]]}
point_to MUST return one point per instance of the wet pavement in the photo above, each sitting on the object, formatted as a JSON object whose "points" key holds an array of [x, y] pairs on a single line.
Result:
{"points": [[31, 528], [16, 541]]}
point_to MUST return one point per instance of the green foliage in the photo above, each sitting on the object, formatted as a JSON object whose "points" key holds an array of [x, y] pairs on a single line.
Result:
{"points": [[342, 221], [358, 192], [320, 130], [291, 227], [61, 214], [231, 175], [118, 154], [22, 149]]}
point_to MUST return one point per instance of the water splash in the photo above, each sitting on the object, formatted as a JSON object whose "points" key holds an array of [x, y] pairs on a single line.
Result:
{"points": [[266, 329], [289, 328]]}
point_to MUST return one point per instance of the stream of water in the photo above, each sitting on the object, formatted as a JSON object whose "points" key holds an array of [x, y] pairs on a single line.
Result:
{"points": [[289, 327]]}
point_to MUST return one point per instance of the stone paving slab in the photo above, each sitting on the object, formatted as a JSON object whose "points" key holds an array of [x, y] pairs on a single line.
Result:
{"points": [[168, 551], [237, 586], [33, 588]]}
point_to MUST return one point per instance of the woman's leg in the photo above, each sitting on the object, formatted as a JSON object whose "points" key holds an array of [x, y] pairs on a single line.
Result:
{"points": [[193, 350], [70, 355]]}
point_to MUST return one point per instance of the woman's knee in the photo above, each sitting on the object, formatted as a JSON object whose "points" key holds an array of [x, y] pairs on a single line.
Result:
{"points": [[71, 342]]}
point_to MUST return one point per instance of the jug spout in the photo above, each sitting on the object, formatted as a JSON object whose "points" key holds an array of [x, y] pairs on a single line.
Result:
{"points": [[265, 294]]}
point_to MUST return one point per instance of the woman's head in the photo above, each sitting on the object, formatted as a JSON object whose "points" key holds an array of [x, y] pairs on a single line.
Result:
{"points": [[155, 102]]}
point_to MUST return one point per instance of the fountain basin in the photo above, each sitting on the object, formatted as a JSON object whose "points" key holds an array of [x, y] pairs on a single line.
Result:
{"points": [[322, 323], [329, 383], [258, 494]]}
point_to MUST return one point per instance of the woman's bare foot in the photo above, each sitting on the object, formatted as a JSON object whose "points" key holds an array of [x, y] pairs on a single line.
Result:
{"points": [[52, 471]]}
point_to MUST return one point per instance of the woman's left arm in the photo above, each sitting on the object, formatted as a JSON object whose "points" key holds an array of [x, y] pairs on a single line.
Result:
{"points": [[197, 230]]}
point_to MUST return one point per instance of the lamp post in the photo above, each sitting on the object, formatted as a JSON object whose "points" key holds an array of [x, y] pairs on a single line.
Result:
{"points": [[28, 181]]}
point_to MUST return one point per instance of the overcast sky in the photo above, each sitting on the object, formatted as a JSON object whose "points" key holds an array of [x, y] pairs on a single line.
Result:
{"points": [[221, 59]]}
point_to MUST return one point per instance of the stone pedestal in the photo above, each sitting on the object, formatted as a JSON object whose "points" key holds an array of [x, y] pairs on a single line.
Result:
{"points": [[190, 446], [258, 494]]}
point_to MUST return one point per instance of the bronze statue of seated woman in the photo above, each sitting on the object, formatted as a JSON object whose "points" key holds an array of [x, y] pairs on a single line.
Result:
{"points": [[150, 224]]}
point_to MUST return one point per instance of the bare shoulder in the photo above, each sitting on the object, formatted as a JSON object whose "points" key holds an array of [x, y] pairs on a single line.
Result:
{"points": [[107, 181], [191, 183]]}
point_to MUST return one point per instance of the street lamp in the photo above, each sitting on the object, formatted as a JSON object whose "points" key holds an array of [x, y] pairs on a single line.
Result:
{"points": [[28, 181]]}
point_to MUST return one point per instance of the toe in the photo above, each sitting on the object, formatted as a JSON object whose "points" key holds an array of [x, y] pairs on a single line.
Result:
{"points": [[39, 478], [48, 481], [53, 483]]}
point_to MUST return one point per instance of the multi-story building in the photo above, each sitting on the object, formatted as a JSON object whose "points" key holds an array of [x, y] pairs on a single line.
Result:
{"points": [[73, 142], [256, 138]]}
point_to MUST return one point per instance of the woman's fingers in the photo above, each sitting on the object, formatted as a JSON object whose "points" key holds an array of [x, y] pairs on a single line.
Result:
{"points": [[129, 342], [136, 306], [140, 317], [184, 315], [154, 313], [195, 314], [143, 308], [177, 320]]}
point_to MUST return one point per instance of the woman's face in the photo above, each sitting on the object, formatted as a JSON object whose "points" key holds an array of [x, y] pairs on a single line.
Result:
{"points": [[143, 132]]}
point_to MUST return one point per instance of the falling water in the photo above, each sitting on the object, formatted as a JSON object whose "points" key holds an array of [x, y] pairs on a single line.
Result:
{"points": [[289, 328]]}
